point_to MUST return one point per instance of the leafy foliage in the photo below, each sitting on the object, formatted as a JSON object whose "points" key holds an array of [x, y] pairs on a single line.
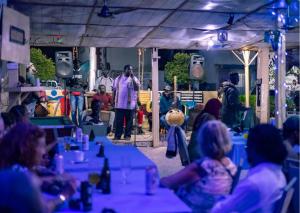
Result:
{"points": [[45, 66], [179, 67], [289, 102], [252, 100]]}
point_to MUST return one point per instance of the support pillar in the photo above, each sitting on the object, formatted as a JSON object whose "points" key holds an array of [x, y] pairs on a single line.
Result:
{"points": [[263, 109], [280, 86], [155, 97], [246, 62], [93, 68], [246, 56]]}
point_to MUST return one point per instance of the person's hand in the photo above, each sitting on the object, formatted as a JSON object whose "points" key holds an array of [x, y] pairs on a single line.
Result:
{"points": [[70, 185]]}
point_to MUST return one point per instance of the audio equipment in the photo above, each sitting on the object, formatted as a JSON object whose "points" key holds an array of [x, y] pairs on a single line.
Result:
{"points": [[64, 64], [196, 67]]}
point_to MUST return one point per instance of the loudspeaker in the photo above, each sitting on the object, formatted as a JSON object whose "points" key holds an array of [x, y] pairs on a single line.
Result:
{"points": [[196, 67], [64, 64]]}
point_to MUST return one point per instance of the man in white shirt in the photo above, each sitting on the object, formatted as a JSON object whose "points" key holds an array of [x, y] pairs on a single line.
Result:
{"points": [[262, 187], [105, 80]]}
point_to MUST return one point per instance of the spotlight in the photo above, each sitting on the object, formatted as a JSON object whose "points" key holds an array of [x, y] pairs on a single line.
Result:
{"points": [[230, 19], [222, 36], [273, 13]]}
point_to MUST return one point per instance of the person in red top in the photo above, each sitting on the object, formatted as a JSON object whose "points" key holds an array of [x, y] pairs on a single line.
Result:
{"points": [[106, 103], [104, 98]]}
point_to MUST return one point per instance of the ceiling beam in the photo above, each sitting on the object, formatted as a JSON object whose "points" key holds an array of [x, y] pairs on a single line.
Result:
{"points": [[166, 27], [16, 3], [88, 22], [162, 22]]}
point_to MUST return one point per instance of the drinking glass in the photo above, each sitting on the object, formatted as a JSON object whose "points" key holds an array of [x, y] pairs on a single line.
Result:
{"points": [[125, 169], [94, 178]]}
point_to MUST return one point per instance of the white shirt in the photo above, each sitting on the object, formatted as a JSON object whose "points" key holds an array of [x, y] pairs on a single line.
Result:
{"points": [[107, 82], [257, 193]]}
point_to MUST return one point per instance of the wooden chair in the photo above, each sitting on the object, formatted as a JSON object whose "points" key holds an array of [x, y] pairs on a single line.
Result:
{"points": [[282, 205]]}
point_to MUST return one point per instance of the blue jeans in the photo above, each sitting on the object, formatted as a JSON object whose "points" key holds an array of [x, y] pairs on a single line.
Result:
{"points": [[164, 123], [76, 107]]}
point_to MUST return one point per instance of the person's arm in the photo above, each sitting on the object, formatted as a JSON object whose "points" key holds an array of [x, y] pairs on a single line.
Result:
{"points": [[110, 102], [246, 197], [162, 105], [187, 175], [113, 94], [135, 81]]}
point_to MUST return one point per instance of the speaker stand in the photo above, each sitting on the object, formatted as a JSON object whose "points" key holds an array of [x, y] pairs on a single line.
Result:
{"points": [[135, 124], [65, 98]]}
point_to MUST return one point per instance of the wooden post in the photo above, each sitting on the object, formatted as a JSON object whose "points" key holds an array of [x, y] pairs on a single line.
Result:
{"points": [[155, 96], [143, 66], [139, 66], [263, 111], [175, 88], [280, 86]]}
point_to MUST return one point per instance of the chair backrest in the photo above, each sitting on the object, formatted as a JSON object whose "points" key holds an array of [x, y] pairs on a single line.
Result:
{"points": [[283, 203], [237, 175], [104, 116], [248, 119], [293, 172]]}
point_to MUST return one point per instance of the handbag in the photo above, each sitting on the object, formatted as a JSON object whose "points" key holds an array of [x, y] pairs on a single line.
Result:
{"points": [[40, 111]]}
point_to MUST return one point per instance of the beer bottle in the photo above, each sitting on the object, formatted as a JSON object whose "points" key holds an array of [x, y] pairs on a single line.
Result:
{"points": [[86, 195], [101, 151], [105, 178]]}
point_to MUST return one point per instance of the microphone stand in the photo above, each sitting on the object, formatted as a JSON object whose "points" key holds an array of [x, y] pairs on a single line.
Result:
{"points": [[65, 97], [135, 124]]}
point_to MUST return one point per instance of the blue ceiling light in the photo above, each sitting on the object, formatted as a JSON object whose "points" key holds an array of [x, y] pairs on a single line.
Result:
{"points": [[222, 36], [273, 13]]}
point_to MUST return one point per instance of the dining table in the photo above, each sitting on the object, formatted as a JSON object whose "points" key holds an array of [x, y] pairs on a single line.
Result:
{"points": [[129, 196], [238, 153]]}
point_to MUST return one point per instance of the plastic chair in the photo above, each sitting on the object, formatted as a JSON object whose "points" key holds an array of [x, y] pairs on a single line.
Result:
{"points": [[293, 172], [247, 121], [237, 175], [282, 205]]}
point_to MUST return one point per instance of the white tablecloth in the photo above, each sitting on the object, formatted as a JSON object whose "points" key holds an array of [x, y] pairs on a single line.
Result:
{"points": [[131, 197], [238, 151], [114, 153]]}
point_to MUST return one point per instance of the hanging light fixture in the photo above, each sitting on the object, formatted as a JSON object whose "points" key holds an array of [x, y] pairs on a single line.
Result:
{"points": [[222, 36], [210, 43]]}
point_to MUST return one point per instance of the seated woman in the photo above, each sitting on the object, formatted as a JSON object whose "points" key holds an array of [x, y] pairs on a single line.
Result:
{"points": [[263, 185], [211, 111], [19, 113], [22, 149], [204, 181], [8, 120]]}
